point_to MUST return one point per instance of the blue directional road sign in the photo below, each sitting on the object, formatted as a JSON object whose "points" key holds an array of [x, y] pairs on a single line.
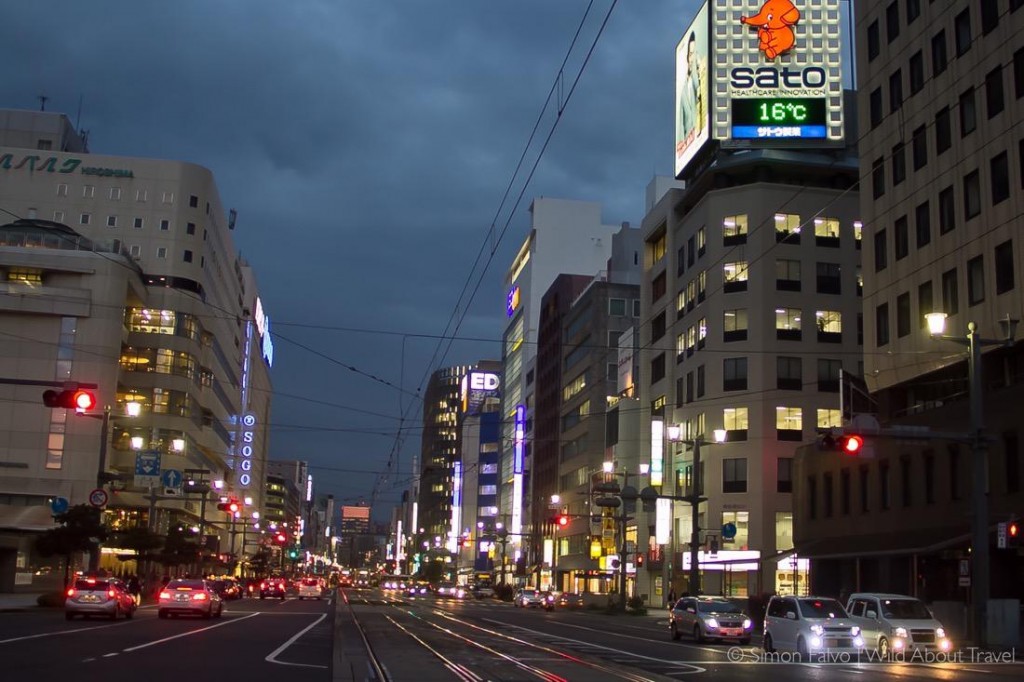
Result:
{"points": [[59, 505], [728, 531], [171, 478], [147, 468]]}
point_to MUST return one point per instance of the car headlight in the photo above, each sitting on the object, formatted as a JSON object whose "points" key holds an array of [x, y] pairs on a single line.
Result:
{"points": [[899, 632], [940, 633], [855, 631], [711, 623], [747, 624], [858, 642], [817, 629]]}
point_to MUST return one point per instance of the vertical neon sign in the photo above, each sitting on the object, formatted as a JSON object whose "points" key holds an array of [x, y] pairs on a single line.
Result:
{"points": [[453, 537], [657, 451], [518, 454]]}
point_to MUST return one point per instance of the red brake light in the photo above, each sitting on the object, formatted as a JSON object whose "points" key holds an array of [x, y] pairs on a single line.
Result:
{"points": [[199, 596], [165, 595], [111, 594], [91, 581], [71, 592]]}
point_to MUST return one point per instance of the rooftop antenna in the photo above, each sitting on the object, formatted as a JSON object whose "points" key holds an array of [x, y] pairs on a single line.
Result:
{"points": [[42, 102]]}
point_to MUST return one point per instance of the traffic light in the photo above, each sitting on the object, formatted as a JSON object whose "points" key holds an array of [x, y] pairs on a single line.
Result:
{"points": [[639, 560], [231, 506], [1013, 534], [281, 538], [850, 444], [293, 553], [560, 520], [77, 399]]}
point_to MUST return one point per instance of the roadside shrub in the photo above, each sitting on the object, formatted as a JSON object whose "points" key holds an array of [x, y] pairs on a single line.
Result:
{"points": [[504, 592], [636, 603], [51, 599]]}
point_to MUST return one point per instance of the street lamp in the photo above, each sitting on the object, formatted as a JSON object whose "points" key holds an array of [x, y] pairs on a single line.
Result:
{"points": [[979, 456]]}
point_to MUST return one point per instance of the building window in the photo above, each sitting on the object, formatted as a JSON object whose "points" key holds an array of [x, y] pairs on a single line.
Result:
{"points": [[135, 250], [829, 418], [735, 422], [881, 257], [828, 278], [1011, 462], [892, 21], [999, 168], [58, 216], [659, 286], [923, 224], [883, 484], [994, 91], [858, 233], [617, 307], [735, 277], [141, 195], [88, 191], [919, 143], [787, 274], [899, 164], [943, 131], [954, 472], [925, 302], [84, 219], [895, 91], [950, 298], [1018, 75], [812, 497], [844, 492], [187, 256], [826, 232], [972, 195], [161, 252], [190, 228], [789, 373], [905, 482], [874, 40], [658, 368], [115, 194], [62, 188], [137, 223], [700, 381], [111, 221], [734, 475], [167, 198], [784, 475], [881, 325], [691, 251], [830, 325], [734, 230], [193, 201], [968, 114], [787, 324], [789, 423], [962, 32], [702, 243], [903, 314], [681, 260], [875, 107], [827, 494], [734, 325], [940, 58], [929, 477], [989, 16], [828, 375], [916, 72], [1004, 267], [734, 374], [975, 281], [901, 237], [863, 473], [878, 178], [947, 210], [787, 227]]}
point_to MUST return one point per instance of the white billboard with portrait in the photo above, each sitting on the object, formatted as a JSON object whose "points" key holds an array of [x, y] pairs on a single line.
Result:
{"points": [[692, 91]]}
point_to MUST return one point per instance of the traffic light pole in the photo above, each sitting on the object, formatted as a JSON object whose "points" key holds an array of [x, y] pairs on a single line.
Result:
{"points": [[694, 499], [979, 521]]}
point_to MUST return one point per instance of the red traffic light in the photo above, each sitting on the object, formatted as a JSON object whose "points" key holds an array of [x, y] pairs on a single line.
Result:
{"points": [[639, 559], [233, 506], [79, 400], [281, 538], [851, 445], [1013, 530], [563, 521]]}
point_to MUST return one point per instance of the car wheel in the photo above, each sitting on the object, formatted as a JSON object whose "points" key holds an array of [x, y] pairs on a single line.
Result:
{"points": [[116, 613], [801, 648], [130, 613], [220, 612], [69, 616], [698, 636], [675, 632], [209, 614], [883, 648], [767, 643], [161, 614]]}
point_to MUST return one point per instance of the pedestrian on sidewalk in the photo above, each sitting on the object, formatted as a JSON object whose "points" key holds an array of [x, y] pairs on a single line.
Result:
{"points": [[671, 597]]}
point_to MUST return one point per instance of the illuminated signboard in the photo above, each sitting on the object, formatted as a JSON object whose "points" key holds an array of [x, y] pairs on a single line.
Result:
{"points": [[309, 488], [657, 451], [519, 440], [263, 329], [512, 301], [777, 73], [692, 91], [248, 437], [477, 387], [662, 520]]}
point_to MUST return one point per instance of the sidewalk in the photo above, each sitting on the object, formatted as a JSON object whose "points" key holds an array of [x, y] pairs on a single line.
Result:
{"points": [[18, 602]]}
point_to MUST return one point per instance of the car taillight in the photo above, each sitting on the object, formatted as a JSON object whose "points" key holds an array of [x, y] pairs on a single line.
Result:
{"points": [[111, 594], [263, 586], [71, 592], [199, 596], [165, 595]]}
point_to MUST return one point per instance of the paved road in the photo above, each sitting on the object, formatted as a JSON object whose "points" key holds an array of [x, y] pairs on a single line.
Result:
{"points": [[428, 639], [289, 641]]}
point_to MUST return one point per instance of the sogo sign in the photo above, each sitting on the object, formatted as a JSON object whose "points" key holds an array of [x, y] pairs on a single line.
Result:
{"points": [[248, 436]]}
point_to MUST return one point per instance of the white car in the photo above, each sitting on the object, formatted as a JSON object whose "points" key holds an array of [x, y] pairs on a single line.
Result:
{"points": [[896, 623], [528, 597], [311, 588], [810, 625]]}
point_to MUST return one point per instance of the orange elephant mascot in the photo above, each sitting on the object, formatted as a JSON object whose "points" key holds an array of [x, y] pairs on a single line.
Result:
{"points": [[774, 27]]}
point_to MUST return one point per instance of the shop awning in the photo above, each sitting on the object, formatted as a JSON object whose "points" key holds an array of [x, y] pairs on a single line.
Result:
{"points": [[33, 519]]}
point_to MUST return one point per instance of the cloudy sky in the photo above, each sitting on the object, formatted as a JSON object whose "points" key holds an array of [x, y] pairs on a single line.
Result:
{"points": [[366, 145]]}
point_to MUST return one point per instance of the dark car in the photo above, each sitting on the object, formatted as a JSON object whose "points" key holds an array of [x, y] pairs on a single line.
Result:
{"points": [[227, 589], [273, 587], [569, 600]]}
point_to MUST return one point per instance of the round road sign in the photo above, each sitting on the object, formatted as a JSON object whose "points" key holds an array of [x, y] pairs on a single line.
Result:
{"points": [[98, 497]]}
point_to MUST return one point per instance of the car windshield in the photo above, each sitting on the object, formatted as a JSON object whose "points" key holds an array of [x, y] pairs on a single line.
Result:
{"points": [[910, 609], [718, 607], [821, 608], [529, 593], [87, 585], [186, 585]]}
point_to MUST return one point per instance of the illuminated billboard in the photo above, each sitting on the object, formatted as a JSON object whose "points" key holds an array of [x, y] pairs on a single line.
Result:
{"points": [[477, 389], [777, 73], [692, 91]]}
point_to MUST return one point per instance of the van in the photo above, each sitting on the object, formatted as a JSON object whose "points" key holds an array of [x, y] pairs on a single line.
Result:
{"points": [[809, 626], [896, 623]]}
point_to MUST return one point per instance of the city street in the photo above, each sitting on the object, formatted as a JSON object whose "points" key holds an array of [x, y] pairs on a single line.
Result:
{"points": [[436, 639], [288, 641]]}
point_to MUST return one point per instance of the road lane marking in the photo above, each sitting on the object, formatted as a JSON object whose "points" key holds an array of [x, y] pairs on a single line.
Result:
{"points": [[190, 632], [62, 632], [272, 658], [109, 655], [88, 660], [642, 639]]}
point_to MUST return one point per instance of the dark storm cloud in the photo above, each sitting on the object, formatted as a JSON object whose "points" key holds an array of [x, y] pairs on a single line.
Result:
{"points": [[366, 146]]}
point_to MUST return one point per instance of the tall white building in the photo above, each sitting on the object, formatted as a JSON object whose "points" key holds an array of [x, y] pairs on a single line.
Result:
{"points": [[565, 237]]}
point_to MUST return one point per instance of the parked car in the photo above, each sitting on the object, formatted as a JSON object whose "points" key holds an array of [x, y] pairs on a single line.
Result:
{"points": [[705, 618], [569, 600], [190, 597], [810, 624], [273, 587], [527, 597], [896, 622], [311, 587], [107, 597]]}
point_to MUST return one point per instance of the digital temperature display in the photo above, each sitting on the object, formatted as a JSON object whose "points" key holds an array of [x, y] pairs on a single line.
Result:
{"points": [[779, 117]]}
